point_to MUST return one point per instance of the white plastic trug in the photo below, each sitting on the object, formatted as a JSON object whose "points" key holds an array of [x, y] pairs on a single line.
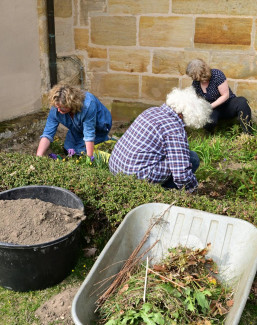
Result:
{"points": [[233, 248]]}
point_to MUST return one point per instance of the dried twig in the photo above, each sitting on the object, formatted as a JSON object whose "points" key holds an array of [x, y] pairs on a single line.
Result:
{"points": [[169, 280], [131, 263]]}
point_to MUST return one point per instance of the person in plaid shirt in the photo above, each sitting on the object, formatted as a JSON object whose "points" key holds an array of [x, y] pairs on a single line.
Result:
{"points": [[155, 147]]}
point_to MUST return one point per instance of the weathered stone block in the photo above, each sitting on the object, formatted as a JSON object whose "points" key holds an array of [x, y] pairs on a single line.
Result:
{"points": [[115, 85], [223, 32], [41, 8], [87, 6], [157, 88], [174, 62], [99, 65], [96, 52], [255, 41], [186, 82], [135, 7], [63, 33], [130, 60], [127, 111], [81, 38], [248, 90], [166, 31], [236, 66], [68, 70], [230, 7], [75, 12], [113, 30], [43, 37], [62, 8]]}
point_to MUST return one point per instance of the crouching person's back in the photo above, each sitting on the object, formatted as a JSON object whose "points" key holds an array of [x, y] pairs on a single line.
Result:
{"points": [[155, 146]]}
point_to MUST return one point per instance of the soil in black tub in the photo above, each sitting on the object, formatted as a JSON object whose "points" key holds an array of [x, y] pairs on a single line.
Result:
{"points": [[32, 221]]}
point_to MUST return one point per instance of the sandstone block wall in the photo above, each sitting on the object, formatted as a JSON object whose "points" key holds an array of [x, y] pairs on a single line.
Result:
{"points": [[135, 51]]}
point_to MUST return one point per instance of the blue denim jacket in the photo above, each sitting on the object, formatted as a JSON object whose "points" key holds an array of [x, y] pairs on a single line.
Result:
{"points": [[92, 123]]}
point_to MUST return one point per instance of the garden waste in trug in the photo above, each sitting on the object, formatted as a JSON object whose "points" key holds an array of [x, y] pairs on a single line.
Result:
{"points": [[182, 289]]}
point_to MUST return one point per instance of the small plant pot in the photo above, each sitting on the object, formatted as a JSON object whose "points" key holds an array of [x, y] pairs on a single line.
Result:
{"points": [[35, 267]]}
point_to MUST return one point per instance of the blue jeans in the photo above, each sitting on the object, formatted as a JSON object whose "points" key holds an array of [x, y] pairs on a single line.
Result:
{"points": [[79, 143], [195, 161]]}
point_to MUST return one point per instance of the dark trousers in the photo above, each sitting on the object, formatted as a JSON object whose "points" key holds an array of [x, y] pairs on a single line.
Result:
{"points": [[234, 107], [194, 160]]}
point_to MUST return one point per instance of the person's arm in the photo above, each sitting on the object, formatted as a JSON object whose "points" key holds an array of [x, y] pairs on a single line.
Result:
{"points": [[44, 144], [89, 126], [90, 148], [178, 158], [224, 94], [49, 132]]}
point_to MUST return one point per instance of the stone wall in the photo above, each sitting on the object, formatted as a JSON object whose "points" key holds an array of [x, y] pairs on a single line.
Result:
{"points": [[43, 49], [135, 51]]}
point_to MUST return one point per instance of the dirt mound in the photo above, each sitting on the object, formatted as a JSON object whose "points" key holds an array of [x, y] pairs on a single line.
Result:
{"points": [[58, 308]]}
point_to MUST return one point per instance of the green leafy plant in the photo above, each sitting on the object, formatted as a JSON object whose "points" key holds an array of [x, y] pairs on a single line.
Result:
{"points": [[181, 289]]}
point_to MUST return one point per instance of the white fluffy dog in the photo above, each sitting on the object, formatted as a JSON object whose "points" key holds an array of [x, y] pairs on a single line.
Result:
{"points": [[195, 110]]}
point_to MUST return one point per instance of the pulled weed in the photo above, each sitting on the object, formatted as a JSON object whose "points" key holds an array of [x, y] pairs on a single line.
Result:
{"points": [[182, 289]]}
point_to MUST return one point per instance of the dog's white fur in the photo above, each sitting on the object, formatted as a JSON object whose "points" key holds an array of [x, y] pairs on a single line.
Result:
{"points": [[196, 111]]}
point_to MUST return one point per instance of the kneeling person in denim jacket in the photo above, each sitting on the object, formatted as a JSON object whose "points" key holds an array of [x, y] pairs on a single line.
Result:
{"points": [[87, 119]]}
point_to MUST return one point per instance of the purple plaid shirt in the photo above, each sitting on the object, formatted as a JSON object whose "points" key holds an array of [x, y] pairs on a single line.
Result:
{"points": [[155, 147]]}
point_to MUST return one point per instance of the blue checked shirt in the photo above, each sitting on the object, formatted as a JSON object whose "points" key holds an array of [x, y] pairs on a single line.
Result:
{"points": [[155, 147]]}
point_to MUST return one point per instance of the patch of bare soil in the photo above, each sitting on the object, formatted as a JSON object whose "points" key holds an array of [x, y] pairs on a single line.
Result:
{"points": [[32, 221], [58, 308], [213, 189], [25, 138]]}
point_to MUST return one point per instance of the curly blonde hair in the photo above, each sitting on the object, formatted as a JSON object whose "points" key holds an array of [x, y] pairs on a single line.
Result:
{"points": [[198, 70], [67, 96]]}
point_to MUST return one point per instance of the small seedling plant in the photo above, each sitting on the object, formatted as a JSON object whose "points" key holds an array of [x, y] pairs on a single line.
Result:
{"points": [[182, 289]]}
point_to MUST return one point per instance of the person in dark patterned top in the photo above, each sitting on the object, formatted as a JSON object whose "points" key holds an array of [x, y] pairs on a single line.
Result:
{"points": [[212, 85], [155, 146]]}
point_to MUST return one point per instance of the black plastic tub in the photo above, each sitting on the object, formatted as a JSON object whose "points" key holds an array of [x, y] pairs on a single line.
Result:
{"points": [[34, 267]]}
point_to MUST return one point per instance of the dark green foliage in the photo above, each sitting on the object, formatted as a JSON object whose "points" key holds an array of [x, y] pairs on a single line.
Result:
{"points": [[111, 197]]}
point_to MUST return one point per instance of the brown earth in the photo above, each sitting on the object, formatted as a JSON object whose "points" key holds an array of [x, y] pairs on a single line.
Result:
{"points": [[23, 135], [32, 221], [58, 308]]}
